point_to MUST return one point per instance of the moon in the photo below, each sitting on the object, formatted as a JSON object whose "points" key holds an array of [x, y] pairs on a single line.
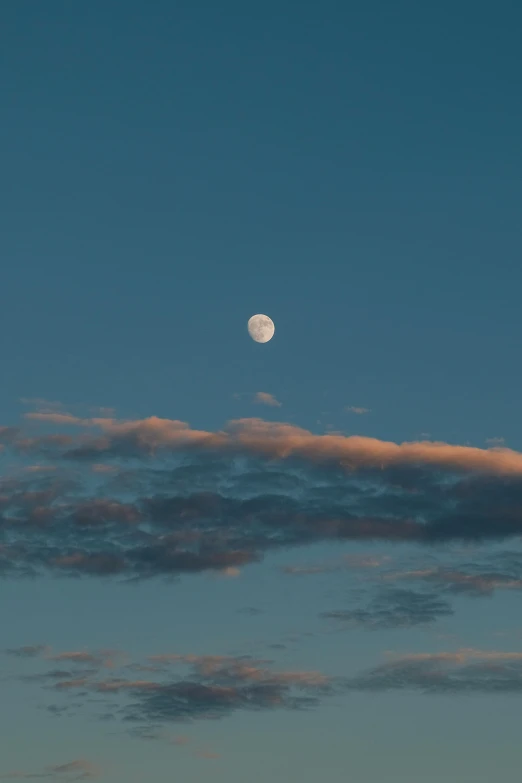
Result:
{"points": [[261, 328]]}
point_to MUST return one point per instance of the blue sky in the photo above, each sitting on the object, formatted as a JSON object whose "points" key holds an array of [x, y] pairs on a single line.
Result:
{"points": [[353, 171]]}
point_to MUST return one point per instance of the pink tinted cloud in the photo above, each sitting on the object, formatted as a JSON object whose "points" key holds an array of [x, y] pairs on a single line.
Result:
{"points": [[347, 562], [180, 740], [280, 441], [463, 655], [105, 658], [207, 754], [264, 398]]}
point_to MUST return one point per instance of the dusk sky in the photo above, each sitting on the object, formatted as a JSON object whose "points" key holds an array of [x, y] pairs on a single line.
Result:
{"points": [[231, 561]]}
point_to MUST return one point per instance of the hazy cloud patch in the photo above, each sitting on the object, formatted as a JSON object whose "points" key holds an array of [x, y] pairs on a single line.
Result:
{"points": [[394, 608], [264, 398], [184, 688], [460, 672], [80, 769]]}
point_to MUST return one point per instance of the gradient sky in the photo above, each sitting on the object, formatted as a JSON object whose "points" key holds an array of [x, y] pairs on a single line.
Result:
{"points": [[335, 605]]}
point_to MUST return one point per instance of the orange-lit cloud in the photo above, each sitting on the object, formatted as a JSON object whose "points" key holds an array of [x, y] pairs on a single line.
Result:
{"points": [[264, 398], [280, 441]]}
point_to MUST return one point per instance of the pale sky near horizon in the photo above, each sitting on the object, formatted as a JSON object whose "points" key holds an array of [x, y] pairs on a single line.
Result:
{"points": [[232, 561]]}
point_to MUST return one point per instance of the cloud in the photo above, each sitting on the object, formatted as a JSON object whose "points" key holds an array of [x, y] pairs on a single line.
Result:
{"points": [[456, 580], [217, 502], [8, 435], [489, 571], [358, 411], [277, 441], [57, 418], [345, 563], [208, 687], [460, 672], [266, 399], [29, 651], [69, 772], [49, 527], [180, 740], [104, 658], [207, 754], [42, 404], [393, 609], [274, 440]]}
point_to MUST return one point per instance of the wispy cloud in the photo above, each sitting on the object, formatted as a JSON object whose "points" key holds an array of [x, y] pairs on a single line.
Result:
{"points": [[345, 563], [214, 686], [29, 651], [104, 658], [180, 740], [356, 410], [207, 754], [460, 672], [264, 398], [393, 609], [42, 404], [69, 772], [486, 573]]}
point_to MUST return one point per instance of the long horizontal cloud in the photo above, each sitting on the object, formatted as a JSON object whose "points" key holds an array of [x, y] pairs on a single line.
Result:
{"points": [[460, 672], [213, 687], [393, 609], [71, 771], [279, 441], [477, 581], [101, 504]]}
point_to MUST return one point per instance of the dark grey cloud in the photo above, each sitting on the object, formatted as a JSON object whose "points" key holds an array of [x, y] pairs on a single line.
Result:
{"points": [[393, 608]]}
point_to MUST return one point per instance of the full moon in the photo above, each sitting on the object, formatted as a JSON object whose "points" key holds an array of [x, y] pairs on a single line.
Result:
{"points": [[261, 328]]}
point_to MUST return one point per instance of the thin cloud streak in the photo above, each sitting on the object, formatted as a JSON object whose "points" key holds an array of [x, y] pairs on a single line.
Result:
{"points": [[77, 770]]}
